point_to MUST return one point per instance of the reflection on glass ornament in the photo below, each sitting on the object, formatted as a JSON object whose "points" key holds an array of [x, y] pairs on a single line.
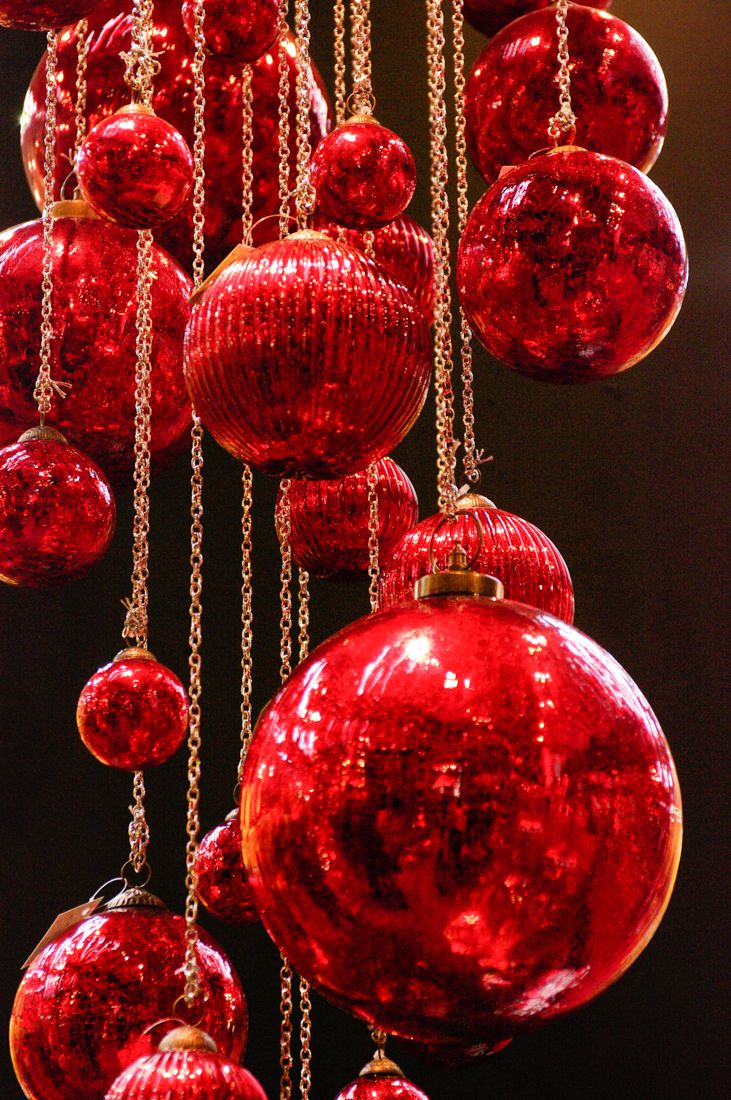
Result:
{"points": [[489, 16], [222, 886], [381, 1079], [238, 30], [43, 15]]}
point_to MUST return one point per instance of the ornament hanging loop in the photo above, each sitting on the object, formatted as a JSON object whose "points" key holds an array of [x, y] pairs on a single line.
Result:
{"points": [[563, 123], [469, 563]]}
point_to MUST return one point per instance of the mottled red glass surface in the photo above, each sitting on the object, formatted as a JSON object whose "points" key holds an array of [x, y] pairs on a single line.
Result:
{"points": [[510, 548], [364, 175], [41, 15], [133, 713], [222, 888], [241, 30], [330, 534], [457, 1054], [94, 311], [618, 91], [84, 1003], [381, 1088], [135, 169], [572, 267], [110, 33], [305, 359], [460, 818], [186, 1075], [57, 514], [404, 250], [489, 16]]}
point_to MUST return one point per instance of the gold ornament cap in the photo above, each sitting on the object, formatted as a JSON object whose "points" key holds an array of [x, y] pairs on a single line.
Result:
{"points": [[134, 897], [72, 208], [135, 109], [458, 580], [42, 434], [187, 1038], [381, 1066], [134, 653], [471, 500], [240, 252]]}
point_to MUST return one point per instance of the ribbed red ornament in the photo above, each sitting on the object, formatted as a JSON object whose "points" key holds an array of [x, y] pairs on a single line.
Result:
{"points": [[381, 1088], [305, 359], [489, 16], [94, 312], [330, 519], [198, 1072], [572, 267], [222, 886], [238, 30], [618, 91], [43, 15]]}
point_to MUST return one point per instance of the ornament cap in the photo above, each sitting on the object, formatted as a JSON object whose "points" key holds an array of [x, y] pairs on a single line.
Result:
{"points": [[381, 1066], [135, 109], [72, 208], [308, 235], [187, 1038], [42, 434], [564, 149], [134, 897], [470, 500], [360, 116], [233, 816], [239, 252], [134, 653], [458, 580]]}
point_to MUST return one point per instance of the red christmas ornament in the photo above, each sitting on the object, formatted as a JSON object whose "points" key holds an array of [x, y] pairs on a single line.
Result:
{"points": [[330, 533], [110, 35], [572, 267], [497, 806], [364, 175], [85, 1003], [43, 15], [489, 16], [455, 1055], [222, 887], [381, 1079], [94, 311], [133, 712], [618, 91], [239, 30], [135, 168], [57, 511], [507, 547], [305, 359]]}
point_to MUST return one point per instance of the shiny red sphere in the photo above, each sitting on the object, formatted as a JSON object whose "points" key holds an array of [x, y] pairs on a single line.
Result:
{"points": [[330, 519], [186, 1075], [57, 514], [489, 16], [381, 1088], [133, 713], [43, 15], [508, 547], [572, 267], [618, 91], [304, 359], [135, 169], [222, 887], [86, 1000], [94, 316], [364, 175], [460, 818], [239, 30]]}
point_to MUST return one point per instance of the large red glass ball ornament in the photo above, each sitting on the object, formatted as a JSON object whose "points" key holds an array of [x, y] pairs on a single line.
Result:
{"points": [[364, 175], [135, 168], [239, 30], [618, 91], [303, 358], [222, 886], [109, 36], [85, 1002], [43, 15], [460, 818], [489, 16], [133, 712], [94, 314], [57, 512], [329, 535], [572, 267]]}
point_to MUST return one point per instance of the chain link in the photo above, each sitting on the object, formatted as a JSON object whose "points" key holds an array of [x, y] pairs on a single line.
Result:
{"points": [[379, 1037], [374, 567], [139, 830], [304, 613], [369, 243], [305, 190], [305, 1040], [199, 142], [363, 100], [247, 157], [82, 64], [140, 64], [341, 72], [286, 1008], [284, 125], [563, 123], [247, 621]]}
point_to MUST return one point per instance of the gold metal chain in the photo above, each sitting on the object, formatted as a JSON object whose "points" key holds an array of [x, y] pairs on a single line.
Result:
{"points": [[283, 119], [341, 72], [363, 100], [139, 830], [303, 617], [247, 620], [305, 1040], [199, 144], [374, 568], [305, 191], [140, 64], [380, 1038], [563, 123], [247, 157], [82, 64], [286, 1008]]}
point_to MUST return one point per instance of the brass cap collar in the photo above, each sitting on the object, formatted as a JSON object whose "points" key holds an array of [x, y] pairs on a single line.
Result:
{"points": [[458, 580]]}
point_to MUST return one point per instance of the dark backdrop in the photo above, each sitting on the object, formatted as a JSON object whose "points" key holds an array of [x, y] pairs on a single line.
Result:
{"points": [[625, 476]]}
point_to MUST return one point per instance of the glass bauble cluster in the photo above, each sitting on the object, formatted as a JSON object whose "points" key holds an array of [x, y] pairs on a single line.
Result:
{"points": [[43, 15], [237, 30], [222, 887], [489, 16]]}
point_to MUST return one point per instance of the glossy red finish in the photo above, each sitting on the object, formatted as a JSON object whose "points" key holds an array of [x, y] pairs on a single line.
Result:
{"points": [[489, 16], [460, 818], [305, 359], [135, 169], [94, 312], [456, 1054], [330, 519], [173, 100], [186, 1075], [364, 175], [618, 91], [222, 887], [512, 549], [381, 1088], [572, 267], [43, 15], [84, 1003], [241, 30], [57, 514], [133, 713]]}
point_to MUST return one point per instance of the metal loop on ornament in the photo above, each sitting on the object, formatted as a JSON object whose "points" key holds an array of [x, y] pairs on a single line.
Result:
{"points": [[183, 1002], [276, 217], [145, 870], [480, 540], [165, 1020], [117, 878], [359, 107]]}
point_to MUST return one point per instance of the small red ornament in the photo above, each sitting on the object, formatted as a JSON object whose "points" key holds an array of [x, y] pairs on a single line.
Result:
{"points": [[238, 30], [57, 511], [381, 1079], [572, 267], [489, 16], [329, 519], [618, 91], [84, 1004], [135, 168], [222, 886], [364, 175], [304, 359], [133, 712], [43, 15]]}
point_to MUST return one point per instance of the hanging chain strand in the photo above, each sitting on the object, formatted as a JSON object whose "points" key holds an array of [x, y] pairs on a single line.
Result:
{"points": [[199, 146], [303, 618], [286, 1008], [304, 987], [363, 100], [379, 1037], [247, 621], [305, 190], [140, 64], [247, 157], [563, 123], [82, 64], [139, 830], [284, 532], [374, 568], [283, 119], [341, 72]]}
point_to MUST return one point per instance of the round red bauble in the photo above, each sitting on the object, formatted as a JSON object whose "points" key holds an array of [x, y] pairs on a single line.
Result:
{"points": [[94, 315], [364, 175], [329, 535], [460, 818], [304, 359], [489, 16], [618, 91], [381, 1088], [57, 512], [222, 886], [239, 30], [572, 267], [43, 15], [85, 1002], [135, 168]]}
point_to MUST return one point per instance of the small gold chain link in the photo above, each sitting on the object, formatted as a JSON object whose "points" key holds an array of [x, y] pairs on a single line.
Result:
{"points": [[82, 63], [247, 157], [305, 191], [369, 244], [286, 1008], [139, 830], [360, 29], [379, 1037], [247, 620], [305, 1040], [304, 613], [140, 64], [341, 72], [283, 119], [374, 568], [199, 143], [564, 121]]}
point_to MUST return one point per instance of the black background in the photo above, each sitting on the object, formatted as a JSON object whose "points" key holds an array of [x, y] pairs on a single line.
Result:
{"points": [[625, 476]]}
